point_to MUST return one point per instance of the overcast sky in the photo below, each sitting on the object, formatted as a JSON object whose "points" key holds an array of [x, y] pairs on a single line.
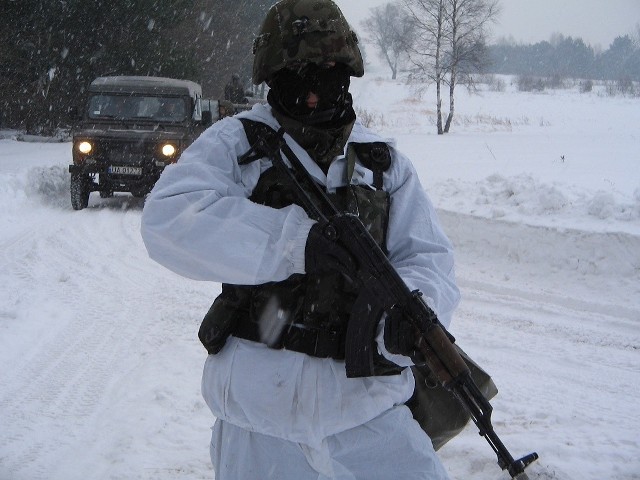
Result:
{"points": [[597, 22]]}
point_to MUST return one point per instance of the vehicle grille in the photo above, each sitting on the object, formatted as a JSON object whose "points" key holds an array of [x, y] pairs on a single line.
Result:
{"points": [[127, 153]]}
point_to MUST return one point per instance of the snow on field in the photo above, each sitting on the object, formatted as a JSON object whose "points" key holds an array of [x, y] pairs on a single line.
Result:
{"points": [[540, 194]]}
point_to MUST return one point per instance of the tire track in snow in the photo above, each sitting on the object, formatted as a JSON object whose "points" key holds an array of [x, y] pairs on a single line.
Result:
{"points": [[574, 369], [533, 309], [61, 384]]}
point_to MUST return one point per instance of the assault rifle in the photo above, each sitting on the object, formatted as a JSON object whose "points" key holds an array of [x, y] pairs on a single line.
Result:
{"points": [[384, 291]]}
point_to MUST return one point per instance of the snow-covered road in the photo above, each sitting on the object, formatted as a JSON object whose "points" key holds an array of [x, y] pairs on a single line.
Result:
{"points": [[99, 350], [555, 317]]}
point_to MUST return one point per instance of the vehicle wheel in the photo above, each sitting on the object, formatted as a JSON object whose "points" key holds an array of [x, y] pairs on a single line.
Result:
{"points": [[80, 191]]}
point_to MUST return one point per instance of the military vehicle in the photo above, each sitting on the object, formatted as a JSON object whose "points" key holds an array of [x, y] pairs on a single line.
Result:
{"points": [[130, 130]]}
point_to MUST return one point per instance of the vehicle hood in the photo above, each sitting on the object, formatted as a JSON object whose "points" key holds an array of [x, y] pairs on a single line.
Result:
{"points": [[153, 132]]}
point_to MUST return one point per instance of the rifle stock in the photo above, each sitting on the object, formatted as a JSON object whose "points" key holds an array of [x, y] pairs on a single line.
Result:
{"points": [[383, 291]]}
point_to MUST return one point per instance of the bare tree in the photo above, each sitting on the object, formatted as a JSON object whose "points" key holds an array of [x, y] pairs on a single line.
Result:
{"points": [[426, 52], [450, 43], [468, 20], [390, 30]]}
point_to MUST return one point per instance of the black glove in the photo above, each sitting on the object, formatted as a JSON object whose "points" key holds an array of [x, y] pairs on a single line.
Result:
{"points": [[324, 254], [401, 336]]}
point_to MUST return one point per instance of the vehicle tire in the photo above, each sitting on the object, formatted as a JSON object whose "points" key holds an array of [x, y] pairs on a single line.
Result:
{"points": [[80, 191]]}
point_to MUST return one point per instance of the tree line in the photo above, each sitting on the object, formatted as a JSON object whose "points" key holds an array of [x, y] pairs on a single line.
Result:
{"points": [[51, 50], [445, 42], [447, 32], [568, 57]]}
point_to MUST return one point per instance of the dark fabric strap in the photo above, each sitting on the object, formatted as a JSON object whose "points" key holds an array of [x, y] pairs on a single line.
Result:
{"points": [[259, 135], [315, 342]]}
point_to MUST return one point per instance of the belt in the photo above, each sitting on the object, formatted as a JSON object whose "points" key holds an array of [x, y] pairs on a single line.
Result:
{"points": [[316, 342]]}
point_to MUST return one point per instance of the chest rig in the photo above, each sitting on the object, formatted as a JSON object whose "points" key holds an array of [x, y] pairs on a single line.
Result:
{"points": [[304, 313]]}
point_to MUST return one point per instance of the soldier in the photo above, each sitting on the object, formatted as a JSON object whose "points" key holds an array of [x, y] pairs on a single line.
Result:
{"points": [[234, 91], [275, 374]]}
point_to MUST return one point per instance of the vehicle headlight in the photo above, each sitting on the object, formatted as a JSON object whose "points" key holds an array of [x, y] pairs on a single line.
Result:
{"points": [[85, 147], [168, 150]]}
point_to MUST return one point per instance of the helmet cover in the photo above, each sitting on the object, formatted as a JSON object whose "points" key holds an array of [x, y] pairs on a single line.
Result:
{"points": [[304, 31]]}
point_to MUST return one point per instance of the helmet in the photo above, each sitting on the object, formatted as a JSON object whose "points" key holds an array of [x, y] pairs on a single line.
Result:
{"points": [[304, 31]]}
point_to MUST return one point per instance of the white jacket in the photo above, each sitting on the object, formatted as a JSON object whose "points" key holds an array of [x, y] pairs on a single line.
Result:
{"points": [[198, 222]]}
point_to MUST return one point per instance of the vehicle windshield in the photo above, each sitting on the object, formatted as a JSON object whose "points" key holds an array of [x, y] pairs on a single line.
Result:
{"points": [[124, 107]]}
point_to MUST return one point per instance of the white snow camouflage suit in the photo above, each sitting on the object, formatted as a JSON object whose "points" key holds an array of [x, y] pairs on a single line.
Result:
{"points": [[283, 414]]}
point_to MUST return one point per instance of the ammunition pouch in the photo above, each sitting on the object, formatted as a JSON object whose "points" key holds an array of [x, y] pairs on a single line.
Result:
{"points": [[223, 316], [440, 414]]}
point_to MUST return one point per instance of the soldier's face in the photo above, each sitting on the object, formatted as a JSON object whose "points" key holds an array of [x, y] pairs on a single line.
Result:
{"points": [[312, 101], [312, 98], [309, 87]]}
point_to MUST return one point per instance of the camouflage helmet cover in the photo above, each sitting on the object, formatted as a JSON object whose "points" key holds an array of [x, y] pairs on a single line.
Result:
{"points": [[301, 31]]}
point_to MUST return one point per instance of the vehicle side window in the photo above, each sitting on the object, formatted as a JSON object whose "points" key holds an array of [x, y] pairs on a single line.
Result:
{"points": [[170, 109]]}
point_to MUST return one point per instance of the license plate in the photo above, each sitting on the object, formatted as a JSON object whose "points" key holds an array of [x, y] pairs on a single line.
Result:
{"points": [[124, 170]]}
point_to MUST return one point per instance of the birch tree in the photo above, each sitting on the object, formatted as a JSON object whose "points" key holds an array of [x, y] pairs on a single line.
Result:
{"points": [[450, 44], [468, 21], [426, 53]]}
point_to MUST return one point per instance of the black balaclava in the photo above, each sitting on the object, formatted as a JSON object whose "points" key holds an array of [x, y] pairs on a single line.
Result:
{"points": [[322, 131], [291, 86]]}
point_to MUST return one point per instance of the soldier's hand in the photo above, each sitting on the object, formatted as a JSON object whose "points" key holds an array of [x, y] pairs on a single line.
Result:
{"points": [[323, 253]]}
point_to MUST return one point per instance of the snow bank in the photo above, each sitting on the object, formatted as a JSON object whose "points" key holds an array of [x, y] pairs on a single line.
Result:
{"points": [[541, 203], [48, 184], [44, 185]]}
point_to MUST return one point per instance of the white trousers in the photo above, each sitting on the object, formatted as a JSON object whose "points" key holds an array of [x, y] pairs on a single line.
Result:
{"points": [[391, 446]]}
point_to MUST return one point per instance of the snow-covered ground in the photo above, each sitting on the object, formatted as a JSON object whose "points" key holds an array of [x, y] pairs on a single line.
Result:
{"points": [[100, 361]]}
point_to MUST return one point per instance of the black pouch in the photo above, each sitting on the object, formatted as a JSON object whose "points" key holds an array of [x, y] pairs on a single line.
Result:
{"points": [[222, 317], [439, 413]]}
